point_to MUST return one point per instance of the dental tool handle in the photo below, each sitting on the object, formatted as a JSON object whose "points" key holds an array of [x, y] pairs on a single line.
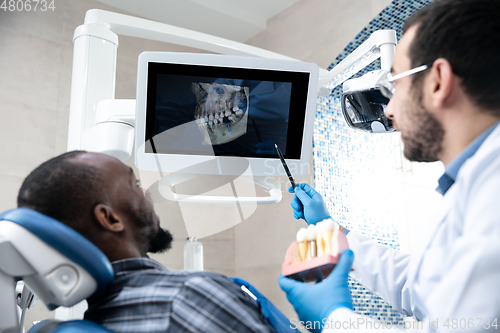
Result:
{"points": [[285, 166]]}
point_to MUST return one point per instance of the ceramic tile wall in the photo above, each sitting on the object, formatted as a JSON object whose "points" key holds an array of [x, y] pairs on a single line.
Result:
{"points": [[357, 171]]}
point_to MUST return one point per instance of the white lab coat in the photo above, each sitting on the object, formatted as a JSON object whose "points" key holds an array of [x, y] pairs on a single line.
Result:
{"points": [[456, 274]]}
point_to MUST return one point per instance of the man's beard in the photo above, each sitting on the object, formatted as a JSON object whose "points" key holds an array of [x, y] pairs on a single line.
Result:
{"points": [[161, 241], [158, 240], [424, 143]]}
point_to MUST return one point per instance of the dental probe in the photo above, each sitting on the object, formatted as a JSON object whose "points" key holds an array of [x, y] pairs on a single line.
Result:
{"points": [[292, 181]]}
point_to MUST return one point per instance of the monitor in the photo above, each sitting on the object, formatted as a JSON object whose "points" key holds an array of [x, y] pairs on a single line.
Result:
{"points": [[217, 114]]}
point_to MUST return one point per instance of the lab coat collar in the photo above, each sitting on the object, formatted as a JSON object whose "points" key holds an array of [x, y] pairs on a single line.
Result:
{"points": [[451, 171]]}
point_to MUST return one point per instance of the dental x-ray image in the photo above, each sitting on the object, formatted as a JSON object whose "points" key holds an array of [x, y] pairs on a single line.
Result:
{"points": [[222, 111], [236, 117]]}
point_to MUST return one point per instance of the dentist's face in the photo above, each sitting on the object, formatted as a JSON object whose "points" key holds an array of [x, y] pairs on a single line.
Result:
{"points": [[421, 133]]}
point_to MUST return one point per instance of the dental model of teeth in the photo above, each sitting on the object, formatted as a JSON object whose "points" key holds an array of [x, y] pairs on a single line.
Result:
{"points": [[315, 252]]}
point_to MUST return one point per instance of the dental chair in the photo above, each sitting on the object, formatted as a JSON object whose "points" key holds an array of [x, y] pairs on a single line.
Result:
{"points": [[58, 264]]}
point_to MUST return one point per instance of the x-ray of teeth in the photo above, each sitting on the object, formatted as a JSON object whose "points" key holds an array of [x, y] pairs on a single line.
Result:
{"points": [[231, 116], [221, 112]]}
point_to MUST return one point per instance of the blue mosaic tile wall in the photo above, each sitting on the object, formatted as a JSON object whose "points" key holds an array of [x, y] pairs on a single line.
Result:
{"points": [[352, 168]]}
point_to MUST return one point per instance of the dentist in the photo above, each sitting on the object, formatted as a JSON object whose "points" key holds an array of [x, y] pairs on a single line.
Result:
{"points": [[448, 112]]}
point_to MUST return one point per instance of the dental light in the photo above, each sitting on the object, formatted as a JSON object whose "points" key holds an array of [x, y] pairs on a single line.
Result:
{"points": [[363, 104]]}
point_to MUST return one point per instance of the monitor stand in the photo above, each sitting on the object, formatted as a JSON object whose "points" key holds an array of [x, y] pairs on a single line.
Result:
{"points": [[166, 188]]}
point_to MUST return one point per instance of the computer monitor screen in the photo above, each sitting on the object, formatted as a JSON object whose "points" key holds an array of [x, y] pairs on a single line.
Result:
{"points": [[223, 106], [243, 112]]}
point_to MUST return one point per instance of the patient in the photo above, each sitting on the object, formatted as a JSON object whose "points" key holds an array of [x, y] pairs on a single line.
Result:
{"points": [[101, 198]]}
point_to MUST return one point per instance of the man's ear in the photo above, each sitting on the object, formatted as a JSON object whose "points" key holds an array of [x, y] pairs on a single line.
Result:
{"points": [[442, 83], [107, 218]]}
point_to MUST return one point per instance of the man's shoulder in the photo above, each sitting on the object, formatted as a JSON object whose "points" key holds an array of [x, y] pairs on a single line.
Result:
{"points": [[478, 181], [176, 277], [486, 158], [194, 276], [142, 272], [166, 285], [196, 300], [485, 161]]}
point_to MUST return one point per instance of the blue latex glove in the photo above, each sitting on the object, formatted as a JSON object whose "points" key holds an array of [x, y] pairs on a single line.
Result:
{"points": [[308, 204], [314, 302]]}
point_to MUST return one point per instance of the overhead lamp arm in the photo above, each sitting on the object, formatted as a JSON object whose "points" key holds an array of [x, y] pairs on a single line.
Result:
{"points": [[382, 42]]}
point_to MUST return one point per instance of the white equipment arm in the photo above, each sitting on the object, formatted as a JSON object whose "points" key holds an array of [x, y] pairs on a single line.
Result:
{"points": [[381, 42], [94, 61], [137, 27]]}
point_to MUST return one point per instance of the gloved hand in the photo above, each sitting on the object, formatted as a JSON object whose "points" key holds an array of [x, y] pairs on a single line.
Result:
{"points": [[308, 204], [315, 302]]}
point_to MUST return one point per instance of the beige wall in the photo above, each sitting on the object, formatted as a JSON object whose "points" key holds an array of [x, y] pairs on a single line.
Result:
{"points": [[35, 66], [317, 30]]}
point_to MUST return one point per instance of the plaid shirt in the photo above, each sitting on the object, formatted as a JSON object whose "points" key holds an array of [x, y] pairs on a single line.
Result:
{"points": [[146, 297]]}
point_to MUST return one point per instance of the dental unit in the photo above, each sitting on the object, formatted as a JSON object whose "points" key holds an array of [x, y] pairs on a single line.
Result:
{"points": [[223, 114]]}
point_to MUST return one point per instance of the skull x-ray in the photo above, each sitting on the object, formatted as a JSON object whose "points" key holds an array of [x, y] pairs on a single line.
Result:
{"points": [[231, 117], [221, 111]]}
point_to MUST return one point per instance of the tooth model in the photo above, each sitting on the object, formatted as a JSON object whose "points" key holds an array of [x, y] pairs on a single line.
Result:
{"points": [[315, 253], [311, 237], [303, 243], [324, 232]]}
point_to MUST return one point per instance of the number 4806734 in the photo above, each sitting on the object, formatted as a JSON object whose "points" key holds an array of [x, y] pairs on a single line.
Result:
{"points": [[27, 5]]}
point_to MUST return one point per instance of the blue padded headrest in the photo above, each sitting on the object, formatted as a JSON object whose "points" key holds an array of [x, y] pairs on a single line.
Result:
{"points": [[67, 241]]}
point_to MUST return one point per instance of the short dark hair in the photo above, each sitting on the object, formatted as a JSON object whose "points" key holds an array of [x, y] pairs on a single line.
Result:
{"points": [[64, 190], [467, 34]]}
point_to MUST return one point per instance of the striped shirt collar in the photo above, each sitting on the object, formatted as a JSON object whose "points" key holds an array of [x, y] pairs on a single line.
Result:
{"points": [[136, 264]]}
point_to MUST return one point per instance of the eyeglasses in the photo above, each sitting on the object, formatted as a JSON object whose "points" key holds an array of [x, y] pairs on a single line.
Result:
{"points": [[386, 82]]}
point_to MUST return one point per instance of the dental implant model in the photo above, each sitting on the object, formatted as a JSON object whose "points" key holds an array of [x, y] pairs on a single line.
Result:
{"points": [[311, 237], [221, 112], [303, 243], [324, 232], [315, 252]]}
